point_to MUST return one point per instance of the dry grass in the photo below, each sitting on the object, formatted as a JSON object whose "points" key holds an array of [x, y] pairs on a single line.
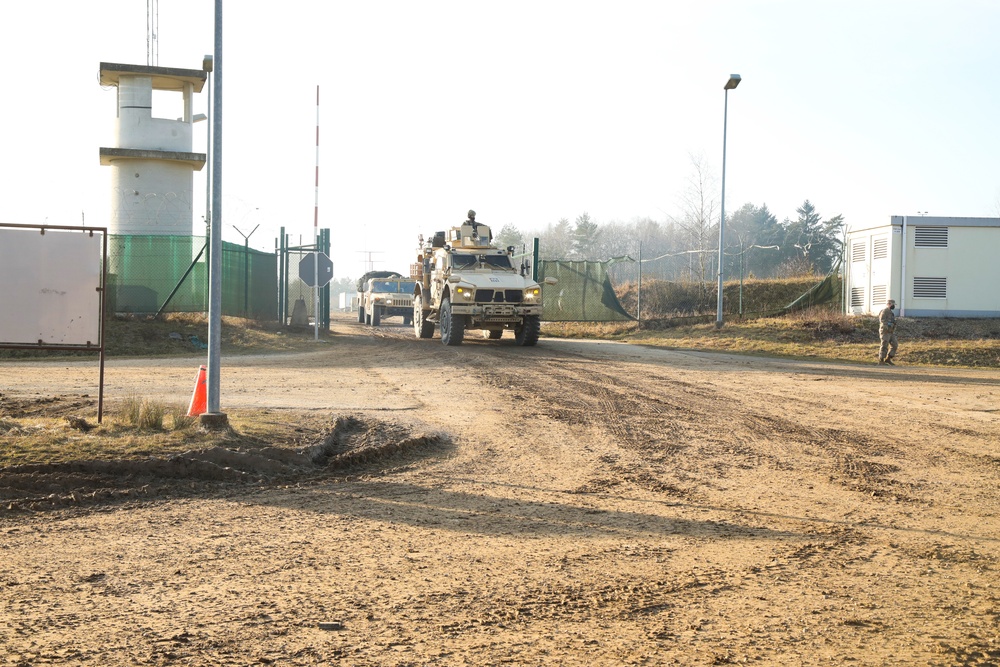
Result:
{"points": [[177, 334], [141, 413], [811, 334], [44, 440]]}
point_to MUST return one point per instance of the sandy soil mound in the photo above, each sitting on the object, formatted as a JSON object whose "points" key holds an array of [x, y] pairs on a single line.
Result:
{"points": [[350, 442]]}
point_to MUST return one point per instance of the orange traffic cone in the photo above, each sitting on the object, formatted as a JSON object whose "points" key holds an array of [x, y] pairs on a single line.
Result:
{"points": [[198, 398]]}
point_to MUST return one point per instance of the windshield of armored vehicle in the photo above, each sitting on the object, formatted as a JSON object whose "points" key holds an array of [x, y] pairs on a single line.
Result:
{"points": [[498, 261], [395, 286], [471, 261], [463, 261]]}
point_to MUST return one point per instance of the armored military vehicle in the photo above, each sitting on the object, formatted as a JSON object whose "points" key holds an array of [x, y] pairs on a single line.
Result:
{"points": [[383, 294], [464, 283]]}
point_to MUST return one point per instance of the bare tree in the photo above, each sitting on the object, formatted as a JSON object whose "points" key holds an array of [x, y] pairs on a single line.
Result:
{"points": [[698, 220]]}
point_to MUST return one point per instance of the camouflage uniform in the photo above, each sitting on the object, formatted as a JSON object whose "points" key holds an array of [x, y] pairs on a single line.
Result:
{"points": [[887, 334]]}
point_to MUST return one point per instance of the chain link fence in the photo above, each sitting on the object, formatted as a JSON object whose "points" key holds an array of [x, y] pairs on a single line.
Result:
{"points": [[152, 274], [628, 288]]}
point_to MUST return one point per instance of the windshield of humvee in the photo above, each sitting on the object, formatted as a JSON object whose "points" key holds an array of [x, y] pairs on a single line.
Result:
{"points": [[393, 286]]}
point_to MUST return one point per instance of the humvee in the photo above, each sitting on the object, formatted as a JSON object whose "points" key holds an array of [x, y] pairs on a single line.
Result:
{"points": [[385, 295]]}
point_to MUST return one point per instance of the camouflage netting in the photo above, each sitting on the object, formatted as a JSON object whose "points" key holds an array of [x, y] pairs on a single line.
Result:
{"points": [[826, 291], [584, 292]]}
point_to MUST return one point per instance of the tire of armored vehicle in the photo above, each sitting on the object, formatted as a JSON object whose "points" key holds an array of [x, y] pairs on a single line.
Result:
{"points": [[526, 333], [452, 325], [421, 327]]}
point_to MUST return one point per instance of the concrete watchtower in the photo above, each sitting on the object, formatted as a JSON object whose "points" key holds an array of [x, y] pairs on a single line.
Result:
{"points": [[153, 166]]}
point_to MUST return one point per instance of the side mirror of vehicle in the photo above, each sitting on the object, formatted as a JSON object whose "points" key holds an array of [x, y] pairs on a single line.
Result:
{"points": [[454, 278], [551, 281]]}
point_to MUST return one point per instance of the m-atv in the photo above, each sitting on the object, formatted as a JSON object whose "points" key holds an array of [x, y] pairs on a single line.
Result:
{"points": [[464, 283]]}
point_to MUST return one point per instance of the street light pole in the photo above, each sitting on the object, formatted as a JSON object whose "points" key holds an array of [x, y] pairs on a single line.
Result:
{"points": [[214, 417], [208, 64], [734, 80]]}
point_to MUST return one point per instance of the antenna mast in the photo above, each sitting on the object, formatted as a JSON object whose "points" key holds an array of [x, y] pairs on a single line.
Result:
{"points": [[152, 29]]}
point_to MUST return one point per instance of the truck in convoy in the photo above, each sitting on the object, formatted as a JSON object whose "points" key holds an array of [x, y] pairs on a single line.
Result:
{"points": [[383, 294], [464, 283]]}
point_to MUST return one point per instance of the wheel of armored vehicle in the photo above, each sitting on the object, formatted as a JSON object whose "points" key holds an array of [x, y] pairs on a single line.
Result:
{"points": [[361, 314], [452, 325], [421, 327], [376, 316], [526, 333], [493, 334], [407, 320], [368, 318]]}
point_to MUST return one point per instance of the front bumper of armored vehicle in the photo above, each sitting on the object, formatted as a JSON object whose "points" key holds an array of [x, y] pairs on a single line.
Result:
{"points": [[495, 313], [496, 305]]}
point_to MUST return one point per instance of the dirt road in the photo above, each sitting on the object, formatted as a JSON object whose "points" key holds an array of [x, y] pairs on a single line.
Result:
{"points": [[577, 503]]}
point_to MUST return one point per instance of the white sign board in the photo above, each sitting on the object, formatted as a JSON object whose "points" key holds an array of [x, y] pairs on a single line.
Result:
{"points": [[50, 287]]}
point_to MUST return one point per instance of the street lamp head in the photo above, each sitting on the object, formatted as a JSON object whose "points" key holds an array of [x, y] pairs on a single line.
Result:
{"points": [[206, 63], [734, 80]]}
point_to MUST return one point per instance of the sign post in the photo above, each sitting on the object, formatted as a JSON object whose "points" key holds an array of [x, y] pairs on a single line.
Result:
{"points": [[316, 271]]}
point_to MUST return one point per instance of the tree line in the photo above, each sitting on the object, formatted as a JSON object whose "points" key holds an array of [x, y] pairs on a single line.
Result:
{"points": [[686, 248]]}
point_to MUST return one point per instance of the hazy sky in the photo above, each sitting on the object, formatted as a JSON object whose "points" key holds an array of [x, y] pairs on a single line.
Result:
{"points": [[527, 111]]}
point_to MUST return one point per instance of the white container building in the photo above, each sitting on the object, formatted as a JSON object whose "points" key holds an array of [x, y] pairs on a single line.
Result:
{"points": [[931, 266]]}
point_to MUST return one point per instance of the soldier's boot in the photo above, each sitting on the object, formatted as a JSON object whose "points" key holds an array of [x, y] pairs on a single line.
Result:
{"points": [[889, 362]]}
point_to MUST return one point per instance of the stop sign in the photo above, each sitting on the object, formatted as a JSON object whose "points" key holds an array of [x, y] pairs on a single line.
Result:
{"points": [[307, 269]]}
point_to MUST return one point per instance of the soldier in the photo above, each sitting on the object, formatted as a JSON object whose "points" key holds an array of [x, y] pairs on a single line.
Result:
{"points": [[887, 334], [475, 226]]}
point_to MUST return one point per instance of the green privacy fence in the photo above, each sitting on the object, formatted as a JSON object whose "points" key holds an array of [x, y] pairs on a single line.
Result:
{"points": [[583, 292], [150, 274]]}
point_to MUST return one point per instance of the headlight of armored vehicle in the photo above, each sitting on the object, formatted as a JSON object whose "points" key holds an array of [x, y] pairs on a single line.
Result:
{"points": [[533, 293], [464, 293]]}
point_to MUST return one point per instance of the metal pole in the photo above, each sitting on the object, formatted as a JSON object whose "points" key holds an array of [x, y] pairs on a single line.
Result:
{"points": [[741, 277], [534, 259], [284, 280], [638, 289], [213, 417], [104, 305], [207, 64], [246, 268], [316, 287], [279, 246], [722, 206], [325, 301]]}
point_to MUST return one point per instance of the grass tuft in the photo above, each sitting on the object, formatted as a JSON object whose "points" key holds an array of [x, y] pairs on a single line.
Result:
{"points": [[142, 413]]}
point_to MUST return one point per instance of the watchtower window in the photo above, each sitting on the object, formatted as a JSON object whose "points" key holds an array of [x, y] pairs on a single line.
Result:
{"points": [[168, 104]]}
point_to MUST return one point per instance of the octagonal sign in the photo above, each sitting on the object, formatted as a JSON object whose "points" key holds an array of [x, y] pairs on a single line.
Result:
{"points": [[307, 269]]}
